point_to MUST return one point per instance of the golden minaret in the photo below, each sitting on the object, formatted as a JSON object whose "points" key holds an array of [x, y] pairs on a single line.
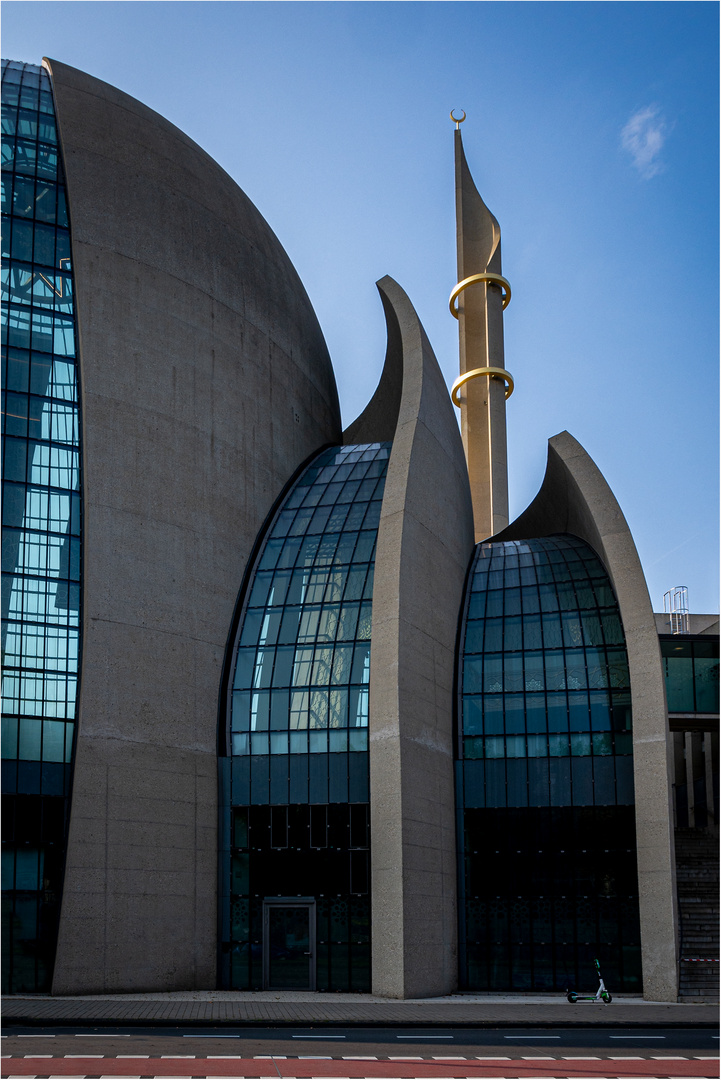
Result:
{"points": [[481, 389]]}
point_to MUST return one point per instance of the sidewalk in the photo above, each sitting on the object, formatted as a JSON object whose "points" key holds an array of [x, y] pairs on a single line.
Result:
{"points": [[217, 1007]]}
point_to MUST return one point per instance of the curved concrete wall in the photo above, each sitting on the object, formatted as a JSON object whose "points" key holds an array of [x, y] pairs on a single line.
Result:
{"points": [[205, 383], [377, 422], [425, 541], [575, 498]]}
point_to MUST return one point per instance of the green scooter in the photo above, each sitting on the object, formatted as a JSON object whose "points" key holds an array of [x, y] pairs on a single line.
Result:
{"points": [[601, 995]]}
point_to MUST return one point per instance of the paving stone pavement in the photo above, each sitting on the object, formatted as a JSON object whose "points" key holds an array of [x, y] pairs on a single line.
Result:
{"points": [[217, 1007]]}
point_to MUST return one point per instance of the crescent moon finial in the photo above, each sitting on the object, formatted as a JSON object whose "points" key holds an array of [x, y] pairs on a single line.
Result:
{"points": [[458, 121]]}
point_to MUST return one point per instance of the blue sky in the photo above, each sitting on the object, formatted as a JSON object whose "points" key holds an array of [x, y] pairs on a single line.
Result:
{"points": [[592, 133]]}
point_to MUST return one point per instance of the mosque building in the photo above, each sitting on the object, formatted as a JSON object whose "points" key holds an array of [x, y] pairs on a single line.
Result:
{"points": [[288, 706]]}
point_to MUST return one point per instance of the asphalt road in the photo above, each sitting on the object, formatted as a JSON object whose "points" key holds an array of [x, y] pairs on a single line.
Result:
{"points": [[372, 1042]]}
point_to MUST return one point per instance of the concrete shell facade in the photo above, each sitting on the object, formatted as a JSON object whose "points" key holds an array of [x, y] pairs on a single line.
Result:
{"points": [[205, 384]]}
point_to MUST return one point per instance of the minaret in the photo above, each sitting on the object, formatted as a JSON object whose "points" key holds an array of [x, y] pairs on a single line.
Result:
{"points": [[481, 389]]}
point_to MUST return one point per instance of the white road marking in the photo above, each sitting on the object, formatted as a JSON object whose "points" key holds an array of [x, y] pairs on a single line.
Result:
{"points": [[319, 1036], [416, 1037]]}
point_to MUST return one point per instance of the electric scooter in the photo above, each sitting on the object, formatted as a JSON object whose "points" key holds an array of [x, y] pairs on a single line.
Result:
{"points": [[601, 995]]}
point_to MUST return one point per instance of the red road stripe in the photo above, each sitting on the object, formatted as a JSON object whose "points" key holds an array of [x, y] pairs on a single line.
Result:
{"points": [[383, 1070]]}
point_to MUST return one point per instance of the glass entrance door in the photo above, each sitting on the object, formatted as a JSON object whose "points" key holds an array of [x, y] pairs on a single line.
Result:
{"points": [[289, 944]]}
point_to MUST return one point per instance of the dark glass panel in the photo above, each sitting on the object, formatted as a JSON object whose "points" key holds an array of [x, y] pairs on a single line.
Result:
{"points": [[708, 648], [15, 460], [514, 714], [279, 780], [706, 684], [624, 780], [357, 778], [578, 711], [621, 712], [289, 947], [241, 779], [17, 372], [604, 786], [557, 712], [240, 827], [535, 712], [582, 781], [492, 714], [517, 782], [338, 778], [299, 779]]}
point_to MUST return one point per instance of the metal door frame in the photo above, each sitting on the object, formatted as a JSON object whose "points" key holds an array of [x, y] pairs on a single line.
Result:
{"points": [[289, 901]]}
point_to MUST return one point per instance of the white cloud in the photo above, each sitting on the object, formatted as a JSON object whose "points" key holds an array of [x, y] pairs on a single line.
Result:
{"points": [[643, 137]]}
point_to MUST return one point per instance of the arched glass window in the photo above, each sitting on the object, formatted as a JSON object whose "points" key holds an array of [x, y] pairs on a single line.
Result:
{"points": [[545, 772], [295, 779], [41, 527]]}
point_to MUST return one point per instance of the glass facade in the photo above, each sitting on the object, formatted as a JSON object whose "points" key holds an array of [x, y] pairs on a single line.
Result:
{"points": [[41, 527], [546, 826], [691, 671], [294, 767]]}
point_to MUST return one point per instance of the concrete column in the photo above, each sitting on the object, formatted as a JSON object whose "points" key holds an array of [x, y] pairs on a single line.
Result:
{"points": [[679, 770], [688, 748], [710, 744], [699, 771], [425, 541]]}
